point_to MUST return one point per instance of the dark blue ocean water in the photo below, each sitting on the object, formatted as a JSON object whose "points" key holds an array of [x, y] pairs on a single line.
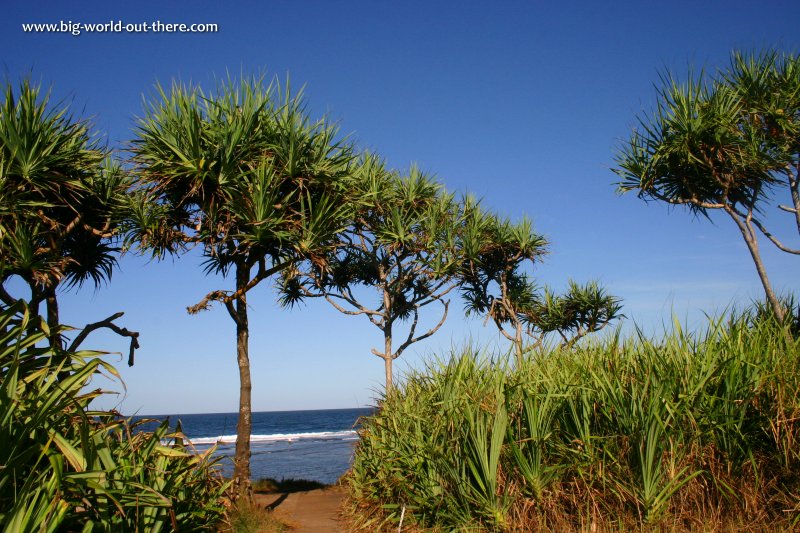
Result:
{"points": [[315, 445]]}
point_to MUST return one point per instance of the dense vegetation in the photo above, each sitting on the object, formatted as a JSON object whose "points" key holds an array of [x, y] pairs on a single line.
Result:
{"points": [[67, 467], [687, 431]]}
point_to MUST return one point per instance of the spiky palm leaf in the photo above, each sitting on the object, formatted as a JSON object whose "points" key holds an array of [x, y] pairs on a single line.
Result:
{"points": [[61, 201]]}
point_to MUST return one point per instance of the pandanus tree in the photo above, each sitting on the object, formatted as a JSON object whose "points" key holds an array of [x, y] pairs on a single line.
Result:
{"points": [[247, 176], [62, 206], [398, 255], [496, 285], [729, 142]]}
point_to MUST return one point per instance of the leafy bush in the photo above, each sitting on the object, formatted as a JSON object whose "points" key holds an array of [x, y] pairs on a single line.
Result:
{"points": [[681, 432], [64, 467]]}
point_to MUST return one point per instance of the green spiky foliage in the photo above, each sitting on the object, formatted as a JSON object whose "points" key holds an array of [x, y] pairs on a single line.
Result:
{"points": [[66, 467], [62, 199], [581, 310], [245, 174], [678, 432], [398, 255], [726, 141], [495, 284]]}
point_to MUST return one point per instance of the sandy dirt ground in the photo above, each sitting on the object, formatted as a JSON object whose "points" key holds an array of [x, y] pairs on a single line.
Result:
{"points": [[313, 511]]}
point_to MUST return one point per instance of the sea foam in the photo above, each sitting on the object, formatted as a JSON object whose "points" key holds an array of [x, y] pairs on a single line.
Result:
{"points": [[279, 437]]}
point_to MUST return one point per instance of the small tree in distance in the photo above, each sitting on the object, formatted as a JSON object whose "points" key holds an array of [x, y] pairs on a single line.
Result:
{"points": [[728, 143], [402, 244], [495, 285]]}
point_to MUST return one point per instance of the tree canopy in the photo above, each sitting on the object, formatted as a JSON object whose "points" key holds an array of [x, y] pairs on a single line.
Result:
{"points": [[496, 283], [725, 141], [63, 203], [402, 242], [245, 174]]}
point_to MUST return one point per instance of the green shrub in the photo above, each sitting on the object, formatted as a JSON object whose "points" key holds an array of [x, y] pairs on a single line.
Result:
{"points": [[678, 432], [64, 467]]}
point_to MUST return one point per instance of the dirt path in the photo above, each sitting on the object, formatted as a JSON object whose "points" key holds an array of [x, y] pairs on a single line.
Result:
{"points": [[313, 511]]}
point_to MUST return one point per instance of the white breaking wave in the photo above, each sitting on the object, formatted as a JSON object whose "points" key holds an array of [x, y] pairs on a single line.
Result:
{"points": [[278, 437]]}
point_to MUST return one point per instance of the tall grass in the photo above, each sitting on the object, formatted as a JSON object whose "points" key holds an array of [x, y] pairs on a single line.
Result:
{"points": [[680, 432], [65, 467]]}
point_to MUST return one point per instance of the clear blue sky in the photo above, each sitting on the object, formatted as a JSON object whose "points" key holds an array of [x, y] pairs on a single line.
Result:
{"points": [[522, 103]]}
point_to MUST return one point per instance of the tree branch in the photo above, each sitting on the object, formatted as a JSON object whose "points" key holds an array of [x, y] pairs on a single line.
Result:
{"points": [[99, 233], [108, 323], [749, 218], [376, 352], [361, 309], [434, 294], [228, 299], [411, 339], [71, 226], [503, 330], [347, 298], [262, 274], [582, 333], [684, 201], [6, 297]]}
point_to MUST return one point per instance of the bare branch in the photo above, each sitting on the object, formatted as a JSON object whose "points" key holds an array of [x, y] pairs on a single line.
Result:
{"points": [[750, 218], [503, 331], [379, 354], [262, 274], [71, 226], [228, 298], [232, 312], [411, 332], [361, 309], [582, 333], [434, 294], [684, 201], [774, 239], [538, 342], [411, 340], [349, 298], [205, 303], [108, 323], [103, 234]]}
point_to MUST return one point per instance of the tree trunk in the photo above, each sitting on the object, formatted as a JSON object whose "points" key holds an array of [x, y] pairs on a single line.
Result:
{"points": [[518, 344], [53, 321], [794, 186], [387, 357], [52, 317], [752, 245], [387, 330], [241, 460]]}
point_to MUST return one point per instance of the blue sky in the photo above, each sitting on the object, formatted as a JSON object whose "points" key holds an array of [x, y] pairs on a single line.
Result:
{"points": [[521, 103]]}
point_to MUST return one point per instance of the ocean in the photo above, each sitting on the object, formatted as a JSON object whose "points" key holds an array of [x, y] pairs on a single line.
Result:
{"points": [[315, 445]]}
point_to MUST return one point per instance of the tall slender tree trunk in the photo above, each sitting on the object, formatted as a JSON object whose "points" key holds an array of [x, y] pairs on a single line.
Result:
{"points": [[794, 186], [518, 344], [387, 330], [752, 245], [387, 356], [241, 460], [53, 319]]}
